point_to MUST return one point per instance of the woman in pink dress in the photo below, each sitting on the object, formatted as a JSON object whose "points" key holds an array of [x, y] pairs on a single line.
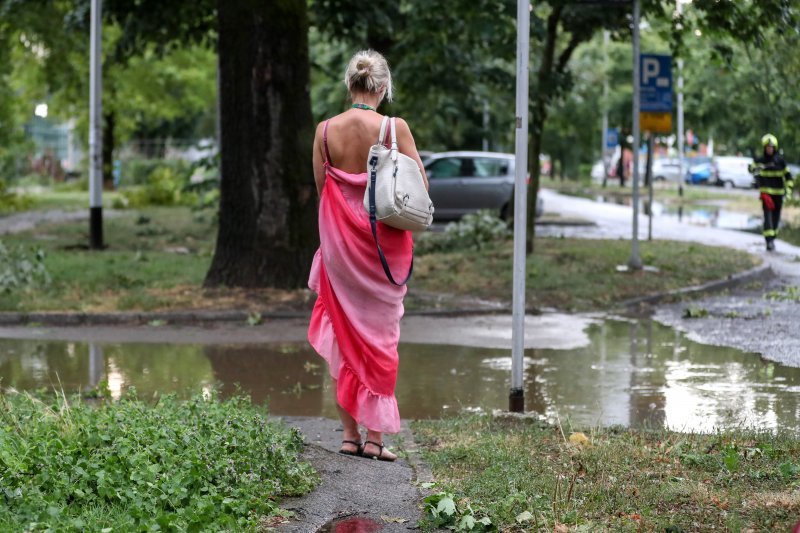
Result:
{"points": [[355, 325]]}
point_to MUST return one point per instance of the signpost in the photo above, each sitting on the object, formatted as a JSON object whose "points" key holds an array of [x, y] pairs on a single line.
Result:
{"points": [[635, 262], [655, 87]]}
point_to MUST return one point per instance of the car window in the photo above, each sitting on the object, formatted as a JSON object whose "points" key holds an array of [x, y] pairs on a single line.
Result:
{"points": [[491, 166], [448, 167]]}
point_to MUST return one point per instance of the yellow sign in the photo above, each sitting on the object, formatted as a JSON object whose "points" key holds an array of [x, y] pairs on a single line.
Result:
{"points": [[656, 122]]}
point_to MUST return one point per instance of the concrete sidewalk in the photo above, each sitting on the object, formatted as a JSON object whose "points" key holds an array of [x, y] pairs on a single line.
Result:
{"points": [[759, 317], [380, 494]]}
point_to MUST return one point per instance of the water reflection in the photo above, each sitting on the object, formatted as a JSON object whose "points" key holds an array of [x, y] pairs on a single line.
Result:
{"points": [[636, 373], [703, 215]]}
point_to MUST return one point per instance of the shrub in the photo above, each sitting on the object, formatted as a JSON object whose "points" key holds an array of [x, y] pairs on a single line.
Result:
{"points": [[12, 201], [473, 232], [164, 186], [21, 268], [176, 465]]}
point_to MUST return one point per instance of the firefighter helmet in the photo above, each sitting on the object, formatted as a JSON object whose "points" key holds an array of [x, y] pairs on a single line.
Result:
{"points": [[769, 139]]}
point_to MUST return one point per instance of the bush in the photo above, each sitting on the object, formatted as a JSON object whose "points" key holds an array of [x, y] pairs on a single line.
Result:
{"points": [[21, 268], [138, 171], [11, 201], [164, 186], [176, 465], [473, 232]]}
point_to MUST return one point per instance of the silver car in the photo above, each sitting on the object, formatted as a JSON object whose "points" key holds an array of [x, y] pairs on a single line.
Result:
{"points": [[465, 182]]}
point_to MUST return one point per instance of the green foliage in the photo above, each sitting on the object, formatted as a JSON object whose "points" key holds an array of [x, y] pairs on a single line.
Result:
{"points": [[526, 476], [442, 511], [22, 268], [176, 465], [475, 231], [789, 294], [165, 186], [695, 312], [12, 201]]}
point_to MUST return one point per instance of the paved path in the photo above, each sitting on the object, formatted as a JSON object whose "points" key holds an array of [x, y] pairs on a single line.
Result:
{"points": [[748, 318], [26, 220], [353, 487]]}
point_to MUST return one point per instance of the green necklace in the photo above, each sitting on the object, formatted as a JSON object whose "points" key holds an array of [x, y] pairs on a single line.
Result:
{"points": [[363, 106]]}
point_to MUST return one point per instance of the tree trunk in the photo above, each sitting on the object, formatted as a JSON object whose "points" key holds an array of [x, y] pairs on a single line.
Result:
{"points": [[109, 129], [267, 216], [534, 148]]}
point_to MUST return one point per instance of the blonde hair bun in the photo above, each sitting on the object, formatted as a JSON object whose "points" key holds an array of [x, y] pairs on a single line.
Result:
{"points": [[368, 72]]}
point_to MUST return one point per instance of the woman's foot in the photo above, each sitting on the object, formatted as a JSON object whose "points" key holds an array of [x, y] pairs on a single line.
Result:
{"points": [[376, 450], [352, 447]]}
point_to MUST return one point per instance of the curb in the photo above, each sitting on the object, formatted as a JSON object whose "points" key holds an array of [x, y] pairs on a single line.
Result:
{"points": [[761, 272]]}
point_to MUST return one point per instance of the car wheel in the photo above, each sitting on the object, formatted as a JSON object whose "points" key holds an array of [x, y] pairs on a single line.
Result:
{"points": [[660, 178], [727, 184]]}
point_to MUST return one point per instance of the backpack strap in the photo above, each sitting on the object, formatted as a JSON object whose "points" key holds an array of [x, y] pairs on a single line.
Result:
{"points": [[325, 142]]}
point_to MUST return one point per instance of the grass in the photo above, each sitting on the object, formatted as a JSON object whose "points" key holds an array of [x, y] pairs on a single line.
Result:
{"points": [[157, 258], [578, 275], [525, 476], [131, 466]]}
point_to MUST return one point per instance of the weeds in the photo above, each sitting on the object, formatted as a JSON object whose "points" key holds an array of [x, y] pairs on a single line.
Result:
{"points": [[527, 478], [175, 465]]}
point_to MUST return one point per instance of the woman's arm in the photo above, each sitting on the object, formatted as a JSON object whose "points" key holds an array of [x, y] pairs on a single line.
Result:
{"points": [[318, 159], [406, 145]]}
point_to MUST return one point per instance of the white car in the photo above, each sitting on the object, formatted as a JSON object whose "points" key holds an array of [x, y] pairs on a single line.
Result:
{"points": [[669, 169], [732, 172]]}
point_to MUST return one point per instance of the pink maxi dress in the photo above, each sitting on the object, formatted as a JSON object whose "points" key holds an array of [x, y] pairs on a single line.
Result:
{"points": [[355, 324]]}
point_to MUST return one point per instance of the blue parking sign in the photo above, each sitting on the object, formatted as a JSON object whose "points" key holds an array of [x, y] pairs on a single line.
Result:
{"points": [[655, 83], [612, 138]]}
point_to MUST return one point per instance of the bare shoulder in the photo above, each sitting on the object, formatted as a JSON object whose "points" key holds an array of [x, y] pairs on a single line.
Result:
{"points": [[402, 126]]}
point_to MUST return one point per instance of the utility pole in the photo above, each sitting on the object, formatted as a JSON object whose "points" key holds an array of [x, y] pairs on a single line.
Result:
{"points": [[680, 114], [516, 397], [635, 262], [95, 129], [604, 141]]}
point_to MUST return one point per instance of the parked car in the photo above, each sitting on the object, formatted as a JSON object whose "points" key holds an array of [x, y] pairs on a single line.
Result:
{"points": [[465, 182], [668, 169], [732, 172], [701, 170]]}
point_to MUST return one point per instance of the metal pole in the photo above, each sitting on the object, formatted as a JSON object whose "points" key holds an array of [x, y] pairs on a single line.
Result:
{"points": [[649, 180], [516, 398], [96, 364], [604, 141], [96, 130], [680, 116], [635, 261]]}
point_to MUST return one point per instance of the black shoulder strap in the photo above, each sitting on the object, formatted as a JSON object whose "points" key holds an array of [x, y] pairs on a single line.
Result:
{"points": [[373, 176]]}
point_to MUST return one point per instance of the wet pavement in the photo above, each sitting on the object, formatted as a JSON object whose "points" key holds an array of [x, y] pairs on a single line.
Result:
{"points": [[634, 372], [749, 318]]}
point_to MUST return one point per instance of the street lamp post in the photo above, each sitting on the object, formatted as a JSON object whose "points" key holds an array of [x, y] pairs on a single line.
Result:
{"points": [[95, 129], [635, 262], [680, 115]]}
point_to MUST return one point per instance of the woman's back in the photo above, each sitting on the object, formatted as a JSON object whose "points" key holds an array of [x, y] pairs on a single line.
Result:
{"points": [[350, 136]]}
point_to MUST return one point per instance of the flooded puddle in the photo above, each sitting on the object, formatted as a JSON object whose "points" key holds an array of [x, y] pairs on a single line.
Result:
{"points": [[713, 216], [351, 525], [636, 373]]}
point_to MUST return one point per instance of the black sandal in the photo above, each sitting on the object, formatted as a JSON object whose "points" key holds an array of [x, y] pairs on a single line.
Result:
{"points": [[380, 456], [359, 448]]}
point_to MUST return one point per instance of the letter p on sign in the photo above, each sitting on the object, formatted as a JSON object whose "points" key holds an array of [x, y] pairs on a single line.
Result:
{"points": [[650, 70]]}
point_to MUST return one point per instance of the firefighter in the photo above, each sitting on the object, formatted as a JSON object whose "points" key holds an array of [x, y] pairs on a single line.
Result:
{"points": [[774, 182]]}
